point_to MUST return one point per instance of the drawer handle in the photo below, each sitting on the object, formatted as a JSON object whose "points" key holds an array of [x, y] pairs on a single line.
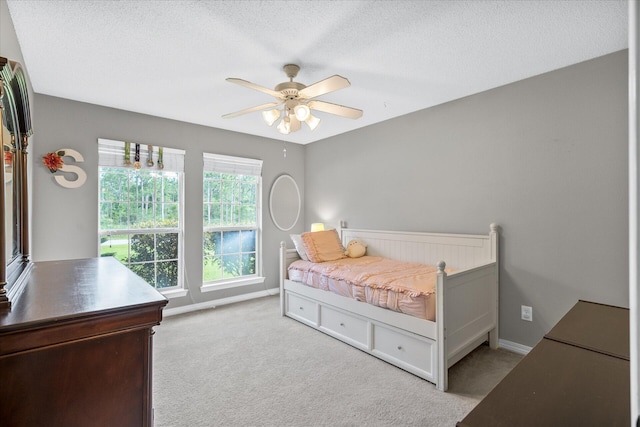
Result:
{"points": [[341, 324], [399, 347], [301, 308]]}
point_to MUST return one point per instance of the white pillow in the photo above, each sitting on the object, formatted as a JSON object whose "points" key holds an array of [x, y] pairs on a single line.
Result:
{"points": [[297, 242]]}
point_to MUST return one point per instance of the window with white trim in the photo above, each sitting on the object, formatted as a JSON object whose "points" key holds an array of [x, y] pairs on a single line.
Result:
{"points": [[141, 210], [232, 221]]}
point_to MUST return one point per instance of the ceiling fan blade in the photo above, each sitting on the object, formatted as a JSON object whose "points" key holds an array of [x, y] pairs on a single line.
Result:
{"points": [[327, 85], [251, 109], [339, 110], [255, 86]]}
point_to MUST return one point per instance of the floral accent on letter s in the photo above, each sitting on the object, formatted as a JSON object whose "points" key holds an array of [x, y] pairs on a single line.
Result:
{"points": [[53, 160]]}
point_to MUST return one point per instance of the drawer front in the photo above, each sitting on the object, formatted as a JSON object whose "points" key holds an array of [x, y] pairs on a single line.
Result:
{"points": [[302, 309], [408, 351], [344, 326]]}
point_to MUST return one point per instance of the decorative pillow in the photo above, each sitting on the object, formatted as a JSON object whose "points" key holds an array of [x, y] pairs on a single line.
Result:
{"points": [[323, 246], [297, 242], [355, 249]]}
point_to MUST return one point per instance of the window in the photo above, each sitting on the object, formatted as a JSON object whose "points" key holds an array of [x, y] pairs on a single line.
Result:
{"points": [[232, 221], [141, 212]]}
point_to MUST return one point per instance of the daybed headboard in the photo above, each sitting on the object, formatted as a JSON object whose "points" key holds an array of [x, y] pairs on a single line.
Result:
{"points": [[459, 251]]}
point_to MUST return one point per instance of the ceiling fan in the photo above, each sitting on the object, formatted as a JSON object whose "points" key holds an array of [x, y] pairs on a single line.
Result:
{"points": [[297, 101]]}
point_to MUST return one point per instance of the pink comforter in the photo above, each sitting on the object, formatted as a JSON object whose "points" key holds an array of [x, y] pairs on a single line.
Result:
{"points": [[412, 279]]}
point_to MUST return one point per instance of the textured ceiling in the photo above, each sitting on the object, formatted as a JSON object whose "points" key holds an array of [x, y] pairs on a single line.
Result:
{"points": [[171, 58]]}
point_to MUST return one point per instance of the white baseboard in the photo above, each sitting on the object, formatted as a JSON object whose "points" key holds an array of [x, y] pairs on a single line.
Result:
{"points": [[215, 303], [514, 346]]}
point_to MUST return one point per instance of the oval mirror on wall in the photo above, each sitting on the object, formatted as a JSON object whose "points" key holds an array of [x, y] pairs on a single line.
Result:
{"points": [[285, 202]]}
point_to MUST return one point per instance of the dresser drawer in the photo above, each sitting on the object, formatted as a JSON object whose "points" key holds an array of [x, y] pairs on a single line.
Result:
{"points": [[411, 352], [346, 327], [302, 309]]}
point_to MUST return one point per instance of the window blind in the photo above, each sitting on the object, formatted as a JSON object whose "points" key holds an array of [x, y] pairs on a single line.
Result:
{"points": [[230, 164]]}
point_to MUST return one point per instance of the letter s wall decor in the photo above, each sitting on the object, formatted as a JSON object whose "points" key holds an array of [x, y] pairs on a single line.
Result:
{"points": [[54, 161]]}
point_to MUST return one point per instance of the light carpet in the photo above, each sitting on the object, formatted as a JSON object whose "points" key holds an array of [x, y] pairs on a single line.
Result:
{"points": [[244, 365]]}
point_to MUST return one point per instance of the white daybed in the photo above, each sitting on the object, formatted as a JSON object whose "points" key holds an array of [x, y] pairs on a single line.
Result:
{"points": [[466, 302]]}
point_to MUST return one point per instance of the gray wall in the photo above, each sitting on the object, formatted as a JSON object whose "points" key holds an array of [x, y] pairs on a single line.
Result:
{"points": [[545, 158], [65, 221]]}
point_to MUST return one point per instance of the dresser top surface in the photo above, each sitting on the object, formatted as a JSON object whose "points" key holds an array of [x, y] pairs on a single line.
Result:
{"points": [[578, 374], [597, 327], [62, 290]]}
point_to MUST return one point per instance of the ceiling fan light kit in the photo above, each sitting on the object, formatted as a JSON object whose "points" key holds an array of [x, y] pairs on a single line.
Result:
{"points": [[312, 122], [302, 112], [270, 116], [284, 126], [296, 101]]}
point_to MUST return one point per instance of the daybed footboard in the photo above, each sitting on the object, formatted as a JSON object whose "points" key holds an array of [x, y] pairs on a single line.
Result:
{"points": [[470, 306], [466, 313]]}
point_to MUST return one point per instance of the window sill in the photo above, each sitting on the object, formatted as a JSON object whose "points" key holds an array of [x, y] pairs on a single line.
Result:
{"points": [[227, 284], [174, 293]]}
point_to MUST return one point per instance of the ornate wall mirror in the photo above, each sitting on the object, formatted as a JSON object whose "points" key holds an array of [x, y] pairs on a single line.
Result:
{"points": [[14, 215], [284, 202]]}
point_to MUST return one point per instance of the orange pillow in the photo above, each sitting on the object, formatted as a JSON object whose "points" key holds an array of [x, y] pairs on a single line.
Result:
{"points": [[323, 246]]}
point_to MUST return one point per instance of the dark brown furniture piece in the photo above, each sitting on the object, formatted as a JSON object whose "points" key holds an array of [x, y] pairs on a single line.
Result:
{"points": [[75, 348], [578, 375]]}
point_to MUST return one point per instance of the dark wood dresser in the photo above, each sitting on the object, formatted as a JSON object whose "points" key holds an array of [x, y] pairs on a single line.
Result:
{"points": [[577, 375], [75, 348]]}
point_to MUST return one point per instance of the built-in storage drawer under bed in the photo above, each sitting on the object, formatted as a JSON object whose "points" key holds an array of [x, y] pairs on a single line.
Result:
{"points": [[344, 326], [302, 309], [406, 350]]}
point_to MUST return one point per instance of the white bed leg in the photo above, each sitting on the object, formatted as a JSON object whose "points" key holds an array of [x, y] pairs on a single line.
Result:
{"points": [[493, 338], [283, 272], [442, 381], [495, 255]]}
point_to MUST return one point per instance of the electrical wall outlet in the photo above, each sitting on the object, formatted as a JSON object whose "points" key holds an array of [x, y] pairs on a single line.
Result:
{"points": [[526, 313]]}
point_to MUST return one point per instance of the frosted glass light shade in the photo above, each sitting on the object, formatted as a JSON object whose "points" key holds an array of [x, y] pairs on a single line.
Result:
{"points": [[312, 122], [302, 112], [271, 116], [317, 226], [285, 126]]}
